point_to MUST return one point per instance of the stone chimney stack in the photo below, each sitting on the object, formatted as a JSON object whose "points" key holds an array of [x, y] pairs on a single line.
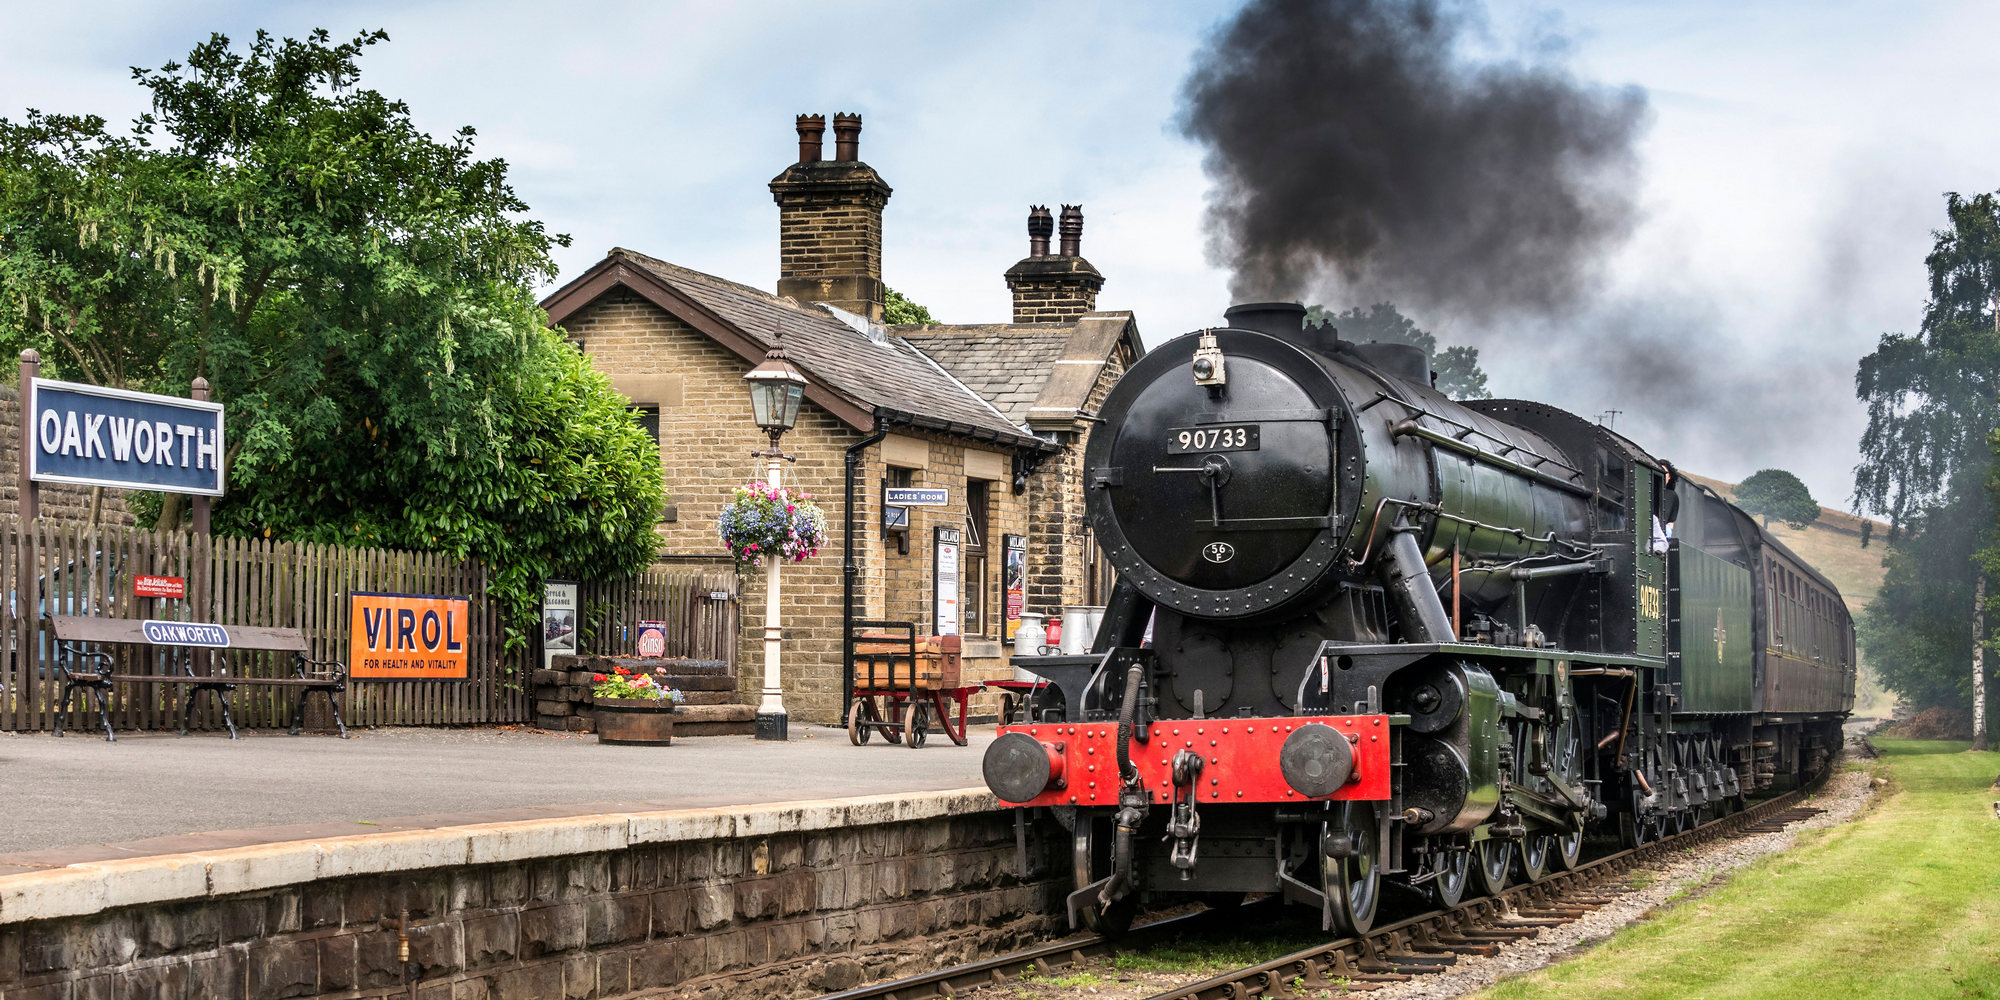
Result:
{"points": [[830, 221], [1054, 288]]}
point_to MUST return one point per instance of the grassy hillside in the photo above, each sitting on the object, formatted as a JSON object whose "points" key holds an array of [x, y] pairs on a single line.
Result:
{"points": [[1832, 545]]}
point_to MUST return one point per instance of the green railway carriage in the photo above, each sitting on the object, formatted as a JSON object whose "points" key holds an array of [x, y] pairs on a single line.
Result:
{"points": [[1762, 646]]}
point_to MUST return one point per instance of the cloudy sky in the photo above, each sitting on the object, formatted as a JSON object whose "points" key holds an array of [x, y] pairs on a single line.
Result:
{"points": [[1791, 167]]}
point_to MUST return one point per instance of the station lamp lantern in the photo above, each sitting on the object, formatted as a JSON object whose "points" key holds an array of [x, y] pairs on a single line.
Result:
{"points": [[776, 387]]}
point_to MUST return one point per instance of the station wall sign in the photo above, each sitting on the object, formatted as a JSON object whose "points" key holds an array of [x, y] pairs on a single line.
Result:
{"points": [[407, 637], [916, 496], [89, 435], [944, 581]]}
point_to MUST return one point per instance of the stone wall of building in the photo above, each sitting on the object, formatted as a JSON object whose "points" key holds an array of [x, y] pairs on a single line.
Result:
{"points": [[1059, 541], [819, 904], [706, 437]]}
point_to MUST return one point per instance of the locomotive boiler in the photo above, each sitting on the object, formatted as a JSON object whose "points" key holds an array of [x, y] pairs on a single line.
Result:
{"points": [[1362, 632]]}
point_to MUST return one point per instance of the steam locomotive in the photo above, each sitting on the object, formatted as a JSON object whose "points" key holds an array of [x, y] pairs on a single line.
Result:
{"points": [[1364, 633]]}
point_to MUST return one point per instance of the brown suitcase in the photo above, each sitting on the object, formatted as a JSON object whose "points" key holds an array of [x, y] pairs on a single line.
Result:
{"points": [[937, 662]]}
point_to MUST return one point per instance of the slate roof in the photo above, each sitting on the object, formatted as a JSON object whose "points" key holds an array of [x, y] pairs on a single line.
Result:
{"points": [[1008, 365], [889, 373]]}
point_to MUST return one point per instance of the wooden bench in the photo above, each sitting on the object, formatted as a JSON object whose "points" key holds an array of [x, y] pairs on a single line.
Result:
{"points": [[73, 631]]}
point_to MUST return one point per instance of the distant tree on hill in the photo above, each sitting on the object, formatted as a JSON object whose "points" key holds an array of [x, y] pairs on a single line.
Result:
{"points": [[1775, 493], [896, 308], [1867, 532], [1458, 373]]}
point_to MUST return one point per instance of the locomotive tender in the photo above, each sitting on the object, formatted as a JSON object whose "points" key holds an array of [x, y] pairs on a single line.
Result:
{"points": [[1395, 637]]}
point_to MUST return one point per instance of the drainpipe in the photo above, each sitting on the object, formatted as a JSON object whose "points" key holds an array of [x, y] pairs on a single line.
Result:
{"points": [[848, 569]]}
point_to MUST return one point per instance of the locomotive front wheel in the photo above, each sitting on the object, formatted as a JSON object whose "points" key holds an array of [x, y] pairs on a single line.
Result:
{"points": [[1491, 861], [1092, 857], [1532, 857], [1353, 884], [857, 733], [1454, 874]]}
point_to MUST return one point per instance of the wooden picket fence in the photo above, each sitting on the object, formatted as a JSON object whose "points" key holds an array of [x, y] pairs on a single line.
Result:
{"points": [[78, 569]]}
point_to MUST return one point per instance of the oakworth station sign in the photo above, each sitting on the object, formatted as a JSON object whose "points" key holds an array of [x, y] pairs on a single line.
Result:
{"points": [[89, 435]]}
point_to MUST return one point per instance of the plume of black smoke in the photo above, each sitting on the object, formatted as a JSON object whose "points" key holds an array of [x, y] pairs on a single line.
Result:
{"points": [[1350, 141]]}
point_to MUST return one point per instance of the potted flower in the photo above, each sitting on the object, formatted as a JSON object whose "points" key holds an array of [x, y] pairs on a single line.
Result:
{"points": [[764, 521], [635, 708]]}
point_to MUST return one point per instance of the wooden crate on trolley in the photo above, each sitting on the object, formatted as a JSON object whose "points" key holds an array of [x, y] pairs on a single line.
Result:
{"points": [[901, 683]]}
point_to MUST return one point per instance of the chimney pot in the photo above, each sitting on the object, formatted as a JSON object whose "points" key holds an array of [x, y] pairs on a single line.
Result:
{"points": [[811, 130], [1072, 230], [1041, 226], [846, 137]]}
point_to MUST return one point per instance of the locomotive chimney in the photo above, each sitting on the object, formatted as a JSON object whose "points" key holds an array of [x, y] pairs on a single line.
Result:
{"points": [[1283, 320]]}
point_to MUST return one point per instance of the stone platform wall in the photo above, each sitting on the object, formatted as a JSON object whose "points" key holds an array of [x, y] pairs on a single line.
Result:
{"points": [[792, 901]]}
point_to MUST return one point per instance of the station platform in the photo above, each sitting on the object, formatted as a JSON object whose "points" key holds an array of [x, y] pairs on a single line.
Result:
{"points": [[81, 799], [497, 863]]}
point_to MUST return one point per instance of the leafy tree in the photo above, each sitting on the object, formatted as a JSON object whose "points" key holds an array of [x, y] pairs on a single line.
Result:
{"points": [[1771, 493], [1458, 373], [1934, 396], [898, 309], [357, 293], [1916, 633], [1933, 402]]}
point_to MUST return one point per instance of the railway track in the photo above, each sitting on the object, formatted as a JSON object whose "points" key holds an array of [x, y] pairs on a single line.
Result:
{"points": [[1420, 945]]}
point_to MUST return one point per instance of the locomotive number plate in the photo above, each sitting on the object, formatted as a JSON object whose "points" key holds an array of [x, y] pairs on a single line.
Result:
{"points": [[1201, 440]]}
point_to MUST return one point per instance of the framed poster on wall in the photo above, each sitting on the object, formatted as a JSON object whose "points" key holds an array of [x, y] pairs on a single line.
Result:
{"points": [[944, 581], [1014, 579]]}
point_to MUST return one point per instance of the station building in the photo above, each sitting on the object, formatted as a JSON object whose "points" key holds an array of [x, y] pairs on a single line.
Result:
{"points": [[995, 414]]}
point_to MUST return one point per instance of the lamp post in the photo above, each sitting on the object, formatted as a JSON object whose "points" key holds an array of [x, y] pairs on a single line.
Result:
{"points": [[775, 390]]}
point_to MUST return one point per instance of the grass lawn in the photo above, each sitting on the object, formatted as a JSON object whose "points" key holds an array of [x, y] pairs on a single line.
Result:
{"points": [[1902, 902]]}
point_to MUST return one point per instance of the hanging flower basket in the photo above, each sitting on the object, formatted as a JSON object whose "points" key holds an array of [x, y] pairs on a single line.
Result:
{"points": [[761, 522]]}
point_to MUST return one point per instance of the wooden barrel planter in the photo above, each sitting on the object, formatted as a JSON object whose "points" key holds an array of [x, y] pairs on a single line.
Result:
{"points": [[635, 722]]}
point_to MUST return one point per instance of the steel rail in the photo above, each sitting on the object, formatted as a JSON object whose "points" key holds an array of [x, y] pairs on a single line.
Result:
{"points": [[1473, 927], [1040, 960], [1425, 942]]}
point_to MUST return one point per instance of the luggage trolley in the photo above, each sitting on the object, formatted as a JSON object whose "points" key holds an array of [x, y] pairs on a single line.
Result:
{"points": [[901, 682]]}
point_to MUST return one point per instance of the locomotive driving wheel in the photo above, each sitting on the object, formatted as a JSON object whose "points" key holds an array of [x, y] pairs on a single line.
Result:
{"points": [[1533, 856], [1567, 764], [1453, 870], [1353, 884], [1490, 861]]}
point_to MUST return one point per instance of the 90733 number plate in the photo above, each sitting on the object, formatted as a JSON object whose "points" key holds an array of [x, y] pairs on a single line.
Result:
{"points": [[1202, 440]]}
